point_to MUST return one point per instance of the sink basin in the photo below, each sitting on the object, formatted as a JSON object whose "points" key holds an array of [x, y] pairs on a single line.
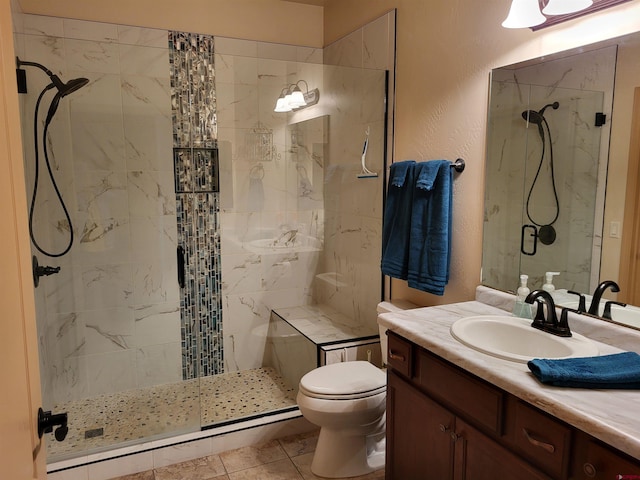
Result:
{"points": [[514, 339]]}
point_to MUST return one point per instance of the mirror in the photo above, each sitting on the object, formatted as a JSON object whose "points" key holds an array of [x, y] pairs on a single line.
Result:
{"points": [[557, 148]]}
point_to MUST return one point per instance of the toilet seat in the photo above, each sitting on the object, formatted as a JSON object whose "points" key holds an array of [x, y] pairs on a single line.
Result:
{"points": [[344, 381]]}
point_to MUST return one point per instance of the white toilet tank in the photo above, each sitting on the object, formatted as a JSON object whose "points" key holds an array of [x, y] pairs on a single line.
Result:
{"points": [[386, 307]]}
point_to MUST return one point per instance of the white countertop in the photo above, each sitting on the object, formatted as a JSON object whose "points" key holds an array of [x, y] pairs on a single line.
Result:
{"points": [[609, 415]]}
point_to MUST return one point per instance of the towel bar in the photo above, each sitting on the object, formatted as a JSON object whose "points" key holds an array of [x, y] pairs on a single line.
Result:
{"points": [[458, 165]]}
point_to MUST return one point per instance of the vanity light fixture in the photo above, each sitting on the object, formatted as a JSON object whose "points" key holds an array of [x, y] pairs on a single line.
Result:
{"points": [[293, 98], [527, 14], [523, 14], [562, 7]]}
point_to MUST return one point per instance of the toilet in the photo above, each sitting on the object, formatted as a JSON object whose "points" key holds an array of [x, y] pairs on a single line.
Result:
{"points": [[348, 401]]}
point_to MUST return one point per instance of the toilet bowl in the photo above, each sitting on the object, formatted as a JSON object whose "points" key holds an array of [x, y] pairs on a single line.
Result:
{"points": [[348, 401]]}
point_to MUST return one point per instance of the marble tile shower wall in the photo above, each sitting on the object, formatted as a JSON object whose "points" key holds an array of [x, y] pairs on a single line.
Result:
{"points": [[582, 88], [110, 320], [260, 195]]}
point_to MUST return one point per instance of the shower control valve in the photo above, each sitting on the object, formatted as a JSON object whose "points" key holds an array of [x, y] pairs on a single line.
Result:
{"points": [[47, 420]]}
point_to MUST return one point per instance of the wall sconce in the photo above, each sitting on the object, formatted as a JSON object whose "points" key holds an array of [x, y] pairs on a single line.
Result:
{"points": [[527, 14], [292, 98]]}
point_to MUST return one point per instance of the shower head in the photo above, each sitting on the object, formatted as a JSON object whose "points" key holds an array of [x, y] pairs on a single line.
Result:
{"points": [[71, 86], [537, 117], [532, 116], [64, 89]]}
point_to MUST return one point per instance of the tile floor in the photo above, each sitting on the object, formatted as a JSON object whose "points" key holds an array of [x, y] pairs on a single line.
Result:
{"points": [[288, 458]]}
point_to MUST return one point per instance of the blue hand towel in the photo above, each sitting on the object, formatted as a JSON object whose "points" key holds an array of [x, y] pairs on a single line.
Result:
{"points": [[397, 220], [430, 237], [620, 370]]}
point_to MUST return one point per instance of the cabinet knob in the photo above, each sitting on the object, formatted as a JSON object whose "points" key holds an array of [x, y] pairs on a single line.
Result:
{"points": [[443, 428], [454, 436], [589, 470]]}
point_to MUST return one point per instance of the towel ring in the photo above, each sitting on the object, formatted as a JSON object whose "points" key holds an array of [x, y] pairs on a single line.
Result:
{"points": [[257, 172]]}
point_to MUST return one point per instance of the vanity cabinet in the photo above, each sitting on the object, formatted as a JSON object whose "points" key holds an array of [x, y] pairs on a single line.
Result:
{"points": [[445, 423]]}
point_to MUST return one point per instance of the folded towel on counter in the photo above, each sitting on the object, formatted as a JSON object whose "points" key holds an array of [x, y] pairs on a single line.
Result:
{"points": [[430, 237], [397, 220], [620, 370]]}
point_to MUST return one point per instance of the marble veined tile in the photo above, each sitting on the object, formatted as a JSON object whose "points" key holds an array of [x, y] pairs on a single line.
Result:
{"points": [[42, 25], [92, 56], [151, 193], [151, 37], [106, 286], [143, 60], [85, 30]]}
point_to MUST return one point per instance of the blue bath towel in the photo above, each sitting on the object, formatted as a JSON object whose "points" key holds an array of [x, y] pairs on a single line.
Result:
{"points": [[397, 220], [430, 237], [620, 370]]}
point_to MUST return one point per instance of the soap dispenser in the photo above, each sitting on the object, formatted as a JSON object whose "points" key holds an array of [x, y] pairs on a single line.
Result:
{"points": [[548, 279], [521, 308]]}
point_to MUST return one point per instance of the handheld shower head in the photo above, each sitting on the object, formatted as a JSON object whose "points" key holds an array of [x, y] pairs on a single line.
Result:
{"points": [[537, 117], [64, 89], [71, 86]]}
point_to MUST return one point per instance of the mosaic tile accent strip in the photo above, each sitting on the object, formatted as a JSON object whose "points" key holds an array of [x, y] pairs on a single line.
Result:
{"points": [[196, 170], [193, 101], [201, 298], [193, 94], [169, 409]]}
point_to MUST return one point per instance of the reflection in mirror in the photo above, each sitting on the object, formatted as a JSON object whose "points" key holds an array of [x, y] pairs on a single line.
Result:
{"points": [[544, 165], [589, 164]]}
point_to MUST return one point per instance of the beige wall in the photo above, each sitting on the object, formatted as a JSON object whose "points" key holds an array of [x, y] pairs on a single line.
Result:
{"points": [[445, 51], [264, 20]]}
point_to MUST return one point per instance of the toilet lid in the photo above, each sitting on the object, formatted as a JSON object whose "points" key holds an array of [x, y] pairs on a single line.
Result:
{"points": [[346, 379]]}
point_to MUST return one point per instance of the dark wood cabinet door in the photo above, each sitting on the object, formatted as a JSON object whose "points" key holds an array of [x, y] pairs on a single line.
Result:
{"points": [[477, 457], [419, 442]]}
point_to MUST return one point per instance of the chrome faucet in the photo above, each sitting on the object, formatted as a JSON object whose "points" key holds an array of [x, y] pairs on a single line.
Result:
{"points": [[594, 308], [550, 323]]}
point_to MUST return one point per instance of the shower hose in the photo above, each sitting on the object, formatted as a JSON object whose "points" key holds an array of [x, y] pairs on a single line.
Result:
{"points": [[51, 176]]}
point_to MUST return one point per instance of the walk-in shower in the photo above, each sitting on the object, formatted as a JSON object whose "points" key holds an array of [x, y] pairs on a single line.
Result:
{"points": [[196, 211]]}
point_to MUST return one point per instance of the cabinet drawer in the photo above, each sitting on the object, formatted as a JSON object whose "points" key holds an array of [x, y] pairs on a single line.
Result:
{"points": [[399, 354], [595, 461], [545, 441], [475, 400]]}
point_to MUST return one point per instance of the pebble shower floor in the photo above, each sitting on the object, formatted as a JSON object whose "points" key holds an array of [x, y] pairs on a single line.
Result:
{"points": [[109, 420]]}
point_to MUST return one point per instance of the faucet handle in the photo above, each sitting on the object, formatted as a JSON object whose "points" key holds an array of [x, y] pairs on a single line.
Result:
{"points": [[562, 329], [607, 308], [582, 302], [539, 320]]}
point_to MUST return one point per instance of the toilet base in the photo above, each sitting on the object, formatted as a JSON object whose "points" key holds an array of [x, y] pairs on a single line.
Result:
{"points": [[340, 456]]}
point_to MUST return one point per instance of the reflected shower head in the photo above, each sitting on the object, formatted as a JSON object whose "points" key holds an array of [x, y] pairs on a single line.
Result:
{"points": [[537, 117]]}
